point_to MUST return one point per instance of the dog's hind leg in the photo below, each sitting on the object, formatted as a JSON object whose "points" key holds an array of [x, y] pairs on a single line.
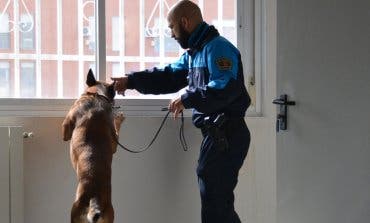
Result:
{"points": [[78, 212], [94, 212], [108, 216], [79, 207]]}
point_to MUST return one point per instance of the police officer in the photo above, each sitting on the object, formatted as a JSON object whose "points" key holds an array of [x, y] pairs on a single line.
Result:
{"points": [[212, 69]]}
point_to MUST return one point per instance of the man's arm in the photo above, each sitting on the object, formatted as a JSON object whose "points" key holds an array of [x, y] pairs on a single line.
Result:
{"points": [[170, 79]]}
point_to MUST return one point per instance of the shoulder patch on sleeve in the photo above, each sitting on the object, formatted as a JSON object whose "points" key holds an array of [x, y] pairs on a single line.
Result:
{"points": [[224, 63]]}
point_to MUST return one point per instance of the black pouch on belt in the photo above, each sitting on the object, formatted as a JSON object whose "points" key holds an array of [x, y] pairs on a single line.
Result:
{"points": [[215, 128]]}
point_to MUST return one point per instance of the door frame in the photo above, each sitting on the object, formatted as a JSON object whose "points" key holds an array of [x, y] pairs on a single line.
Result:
{"points": [[265, 140]]}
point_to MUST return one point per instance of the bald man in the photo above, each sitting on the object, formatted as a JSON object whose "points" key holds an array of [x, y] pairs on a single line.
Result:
{"points": [[211, 68]]}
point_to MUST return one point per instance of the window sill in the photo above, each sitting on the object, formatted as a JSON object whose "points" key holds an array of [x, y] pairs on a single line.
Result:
{"points": [[131, 107], [59, 107]]}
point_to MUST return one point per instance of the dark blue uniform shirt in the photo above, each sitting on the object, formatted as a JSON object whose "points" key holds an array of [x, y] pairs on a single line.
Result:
{"points": [[211, 68]]}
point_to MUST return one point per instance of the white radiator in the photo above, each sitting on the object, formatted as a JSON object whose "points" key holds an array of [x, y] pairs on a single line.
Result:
{"points": [[11, 175]]}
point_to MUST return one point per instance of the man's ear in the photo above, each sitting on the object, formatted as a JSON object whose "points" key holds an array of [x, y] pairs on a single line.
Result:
{"points": [[185, 23], [90, 81]]}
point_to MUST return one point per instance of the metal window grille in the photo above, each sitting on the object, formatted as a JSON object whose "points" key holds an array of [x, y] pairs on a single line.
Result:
{"points": [[24, 30]]}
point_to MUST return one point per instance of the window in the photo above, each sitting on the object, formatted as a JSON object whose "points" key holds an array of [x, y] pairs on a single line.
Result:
{"points": [[26, 29], [4, 31], [227, 28], [140, 37], [4, 79], [56, 42], [90, 35], [56, 39], [115, 33], [28, 80], [115, 70]]}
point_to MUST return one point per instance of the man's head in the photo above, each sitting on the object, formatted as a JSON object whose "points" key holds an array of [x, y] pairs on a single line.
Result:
{"points": [[182, 19]]}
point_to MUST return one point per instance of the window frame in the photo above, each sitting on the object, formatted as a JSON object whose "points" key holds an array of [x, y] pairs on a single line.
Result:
{"points": [[249, 27]]}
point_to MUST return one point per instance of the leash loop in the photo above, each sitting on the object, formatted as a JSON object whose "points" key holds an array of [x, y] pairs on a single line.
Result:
{"points": [[181, 135]]}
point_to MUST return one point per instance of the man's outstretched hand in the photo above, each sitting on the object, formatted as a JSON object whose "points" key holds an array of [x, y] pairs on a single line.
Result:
{"points": [[120, 84]]}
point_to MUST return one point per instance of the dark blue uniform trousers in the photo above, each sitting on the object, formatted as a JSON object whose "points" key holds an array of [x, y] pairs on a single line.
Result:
{"points": [[218, 172]]}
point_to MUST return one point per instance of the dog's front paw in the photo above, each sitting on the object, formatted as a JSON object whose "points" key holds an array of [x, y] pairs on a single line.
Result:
{"points": [[67, 129]]}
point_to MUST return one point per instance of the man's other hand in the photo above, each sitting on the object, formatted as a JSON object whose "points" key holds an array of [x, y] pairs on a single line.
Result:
{"points": [[176, 106]]}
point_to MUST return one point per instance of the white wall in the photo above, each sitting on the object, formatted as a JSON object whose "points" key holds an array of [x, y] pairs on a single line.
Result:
{"points": [[157, 186]]}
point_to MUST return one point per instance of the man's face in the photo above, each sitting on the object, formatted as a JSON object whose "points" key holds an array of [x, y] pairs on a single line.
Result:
{"points": [[179, 33]]}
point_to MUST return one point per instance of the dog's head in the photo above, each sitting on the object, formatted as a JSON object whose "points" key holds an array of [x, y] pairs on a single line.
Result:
{"points": [[99, 87]]}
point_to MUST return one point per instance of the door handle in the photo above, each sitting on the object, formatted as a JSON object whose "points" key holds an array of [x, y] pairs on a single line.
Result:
{"points": [[282, 116]]}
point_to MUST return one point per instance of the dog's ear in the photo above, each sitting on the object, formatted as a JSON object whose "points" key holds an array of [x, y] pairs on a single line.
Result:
{"points": [[90, 81], [111, 91]]}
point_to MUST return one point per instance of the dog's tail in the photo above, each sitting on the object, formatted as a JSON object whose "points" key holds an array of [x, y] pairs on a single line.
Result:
{"points": [[94, 213]]}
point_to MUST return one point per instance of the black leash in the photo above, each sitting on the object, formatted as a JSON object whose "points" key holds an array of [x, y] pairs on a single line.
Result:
{"points": [[182, 136]]}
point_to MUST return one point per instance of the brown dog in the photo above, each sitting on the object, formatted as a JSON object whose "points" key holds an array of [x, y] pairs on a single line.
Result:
{"points": [[93, 129]]}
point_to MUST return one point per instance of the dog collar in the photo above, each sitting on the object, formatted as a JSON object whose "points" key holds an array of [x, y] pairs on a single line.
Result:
{"points": [[96, 94]]}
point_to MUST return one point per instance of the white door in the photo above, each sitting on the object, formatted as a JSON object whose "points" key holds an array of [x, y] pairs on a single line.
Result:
{"points": [[323, 64]]}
